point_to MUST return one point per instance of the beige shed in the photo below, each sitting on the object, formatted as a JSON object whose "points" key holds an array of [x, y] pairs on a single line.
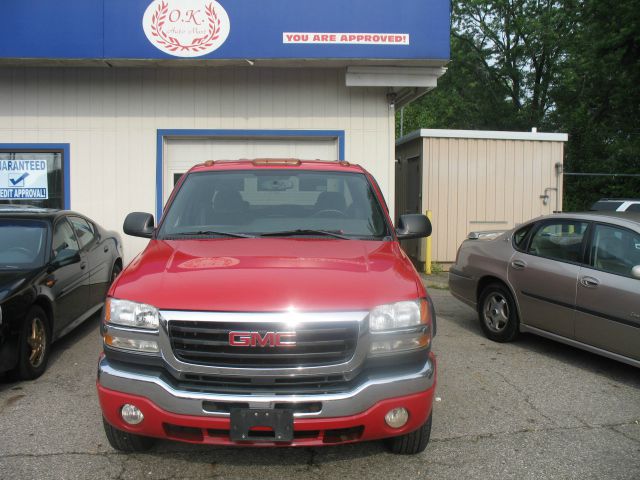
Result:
{"points": [[476, 180]]}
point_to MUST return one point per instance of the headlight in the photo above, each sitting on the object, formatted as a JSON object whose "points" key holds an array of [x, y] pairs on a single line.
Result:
{"points": [[400, 327], [399, 315], [131, 314], [131, 326]]}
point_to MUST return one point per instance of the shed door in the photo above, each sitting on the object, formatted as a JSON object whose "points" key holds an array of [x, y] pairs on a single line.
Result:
{"points": [[413, 200], [182, 154], [414, 186]]}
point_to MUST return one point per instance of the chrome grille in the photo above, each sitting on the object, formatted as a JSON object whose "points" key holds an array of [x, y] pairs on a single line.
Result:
{"points": [[317, 344]]}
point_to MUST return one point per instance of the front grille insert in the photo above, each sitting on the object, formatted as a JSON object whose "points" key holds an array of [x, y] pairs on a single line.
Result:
{"points": [[225, 407], [314, 385], [317, 343]]}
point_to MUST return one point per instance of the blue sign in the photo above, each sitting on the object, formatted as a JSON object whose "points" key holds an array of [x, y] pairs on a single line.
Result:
{"points": [[225, 29]]}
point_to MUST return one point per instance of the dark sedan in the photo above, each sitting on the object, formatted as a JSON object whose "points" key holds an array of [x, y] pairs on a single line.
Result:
{"points": [[55, 269], [574, 278]]}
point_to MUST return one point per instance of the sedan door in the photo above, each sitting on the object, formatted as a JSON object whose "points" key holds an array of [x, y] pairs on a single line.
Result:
{"points": [[544, 275], [98, 256], [70, 278], [608, 301]]}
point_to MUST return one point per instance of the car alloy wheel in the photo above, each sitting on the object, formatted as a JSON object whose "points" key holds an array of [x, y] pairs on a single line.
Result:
{"points": [[496, 312], [34, 345], [37, 342]]}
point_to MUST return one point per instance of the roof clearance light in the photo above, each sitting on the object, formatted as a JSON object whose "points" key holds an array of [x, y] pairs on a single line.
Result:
{"points": [[261, 162]]}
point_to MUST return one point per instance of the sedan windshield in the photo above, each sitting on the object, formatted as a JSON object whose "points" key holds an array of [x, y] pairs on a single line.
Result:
{"points": [[23, 243], [276, 203]]}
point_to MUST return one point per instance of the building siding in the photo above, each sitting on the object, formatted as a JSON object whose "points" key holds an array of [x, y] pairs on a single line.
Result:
{"points": [[481, 184], [110, 118]]}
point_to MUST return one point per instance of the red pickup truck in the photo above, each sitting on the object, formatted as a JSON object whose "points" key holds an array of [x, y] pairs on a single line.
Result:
{"points": [[273, 306]]}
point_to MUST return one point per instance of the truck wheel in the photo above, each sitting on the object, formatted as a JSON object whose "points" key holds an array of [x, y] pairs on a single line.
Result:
{"points": [[126, 442], [411, 443], [35, 343], [498, 314]]}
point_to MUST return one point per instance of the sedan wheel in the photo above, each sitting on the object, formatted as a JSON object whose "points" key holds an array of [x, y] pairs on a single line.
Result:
{"points": [[498, 314], [35, 343]]}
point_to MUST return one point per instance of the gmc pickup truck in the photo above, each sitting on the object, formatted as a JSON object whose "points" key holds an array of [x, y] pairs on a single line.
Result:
{"points": [[273, 306]]}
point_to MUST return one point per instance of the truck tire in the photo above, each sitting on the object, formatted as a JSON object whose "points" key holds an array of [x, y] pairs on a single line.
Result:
{"points": [[411, 443], [126, 442]]}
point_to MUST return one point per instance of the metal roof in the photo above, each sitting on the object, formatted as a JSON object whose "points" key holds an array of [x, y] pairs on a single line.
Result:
{"points": [[483, 135]]}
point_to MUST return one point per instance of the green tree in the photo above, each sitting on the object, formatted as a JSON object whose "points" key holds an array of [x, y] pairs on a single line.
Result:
{"points": [[506, 58], [571, 66], [598, 102]]}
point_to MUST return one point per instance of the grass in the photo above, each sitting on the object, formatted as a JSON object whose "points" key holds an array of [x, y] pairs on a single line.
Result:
{"points": [[437, 268]]}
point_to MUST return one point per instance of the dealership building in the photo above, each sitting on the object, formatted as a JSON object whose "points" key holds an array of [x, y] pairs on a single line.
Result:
{"points": [[117, 98]]}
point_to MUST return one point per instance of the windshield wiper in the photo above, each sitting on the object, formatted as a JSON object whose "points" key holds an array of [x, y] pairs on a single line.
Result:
{"points": [[202, 233], [291, 233]]}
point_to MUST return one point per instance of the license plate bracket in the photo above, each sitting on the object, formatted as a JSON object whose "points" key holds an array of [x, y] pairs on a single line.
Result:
{"points": [[277, 425]]}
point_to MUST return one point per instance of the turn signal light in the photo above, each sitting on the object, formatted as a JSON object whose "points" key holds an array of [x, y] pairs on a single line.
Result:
{"points": [[131, 344], [416, 342]]}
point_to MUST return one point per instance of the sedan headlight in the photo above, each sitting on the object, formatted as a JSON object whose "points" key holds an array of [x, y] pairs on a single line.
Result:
{"points": [[400, 327], [131, 314]]}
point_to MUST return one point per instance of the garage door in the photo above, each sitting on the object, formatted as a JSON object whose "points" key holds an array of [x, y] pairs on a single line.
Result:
{"points": [[182, 154]]}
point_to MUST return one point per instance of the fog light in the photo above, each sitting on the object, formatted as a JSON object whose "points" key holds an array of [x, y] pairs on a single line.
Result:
{"points": [[131, 414], [396, 418]]}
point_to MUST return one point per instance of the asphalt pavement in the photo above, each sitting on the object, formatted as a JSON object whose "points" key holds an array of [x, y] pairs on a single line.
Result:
{"points": [[534, 409]]}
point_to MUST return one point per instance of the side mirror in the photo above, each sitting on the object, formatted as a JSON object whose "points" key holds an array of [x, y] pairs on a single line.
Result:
{"points": [[138, 224], [413, 225], [635, 272], [64, 258]]}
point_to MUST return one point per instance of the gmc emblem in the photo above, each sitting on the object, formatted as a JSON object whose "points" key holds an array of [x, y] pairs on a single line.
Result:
{"points": [[269, 339]]}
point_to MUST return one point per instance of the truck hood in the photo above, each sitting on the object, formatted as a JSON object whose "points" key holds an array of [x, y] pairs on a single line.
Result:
{"points": [[269, 274]]}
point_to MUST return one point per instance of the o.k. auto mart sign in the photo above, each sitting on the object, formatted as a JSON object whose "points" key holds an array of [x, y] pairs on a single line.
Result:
{"points": [[186, 28], [23, 180]]}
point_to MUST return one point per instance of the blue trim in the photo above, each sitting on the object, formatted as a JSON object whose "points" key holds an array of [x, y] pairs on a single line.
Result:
{"points": [[338, 134], [66, 159], [112, 29]]}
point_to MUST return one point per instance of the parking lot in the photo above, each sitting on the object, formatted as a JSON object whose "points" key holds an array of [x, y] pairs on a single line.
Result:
{"points": [[531, 409]]}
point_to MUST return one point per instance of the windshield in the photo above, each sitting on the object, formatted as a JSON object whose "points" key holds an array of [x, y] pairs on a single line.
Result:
{"points": [[23, 243], [273, 203]]}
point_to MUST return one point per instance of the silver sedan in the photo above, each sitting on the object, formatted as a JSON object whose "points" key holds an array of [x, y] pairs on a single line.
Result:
{"points": [[574, 278]]}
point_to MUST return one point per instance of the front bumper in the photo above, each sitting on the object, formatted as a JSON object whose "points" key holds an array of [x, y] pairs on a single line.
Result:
{"points": [[357, 415]]}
